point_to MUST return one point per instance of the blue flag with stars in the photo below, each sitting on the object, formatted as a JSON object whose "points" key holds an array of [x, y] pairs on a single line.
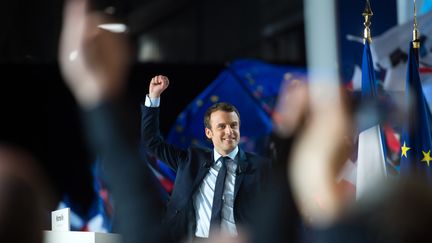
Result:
{"points": [[416, 140], [252, 86]]}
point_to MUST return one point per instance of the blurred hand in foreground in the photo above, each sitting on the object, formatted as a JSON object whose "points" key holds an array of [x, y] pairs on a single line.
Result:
{"points": [[94, 62]]}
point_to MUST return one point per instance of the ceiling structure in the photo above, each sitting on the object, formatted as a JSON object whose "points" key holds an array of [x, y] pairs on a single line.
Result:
{"points": [[168, 31]]}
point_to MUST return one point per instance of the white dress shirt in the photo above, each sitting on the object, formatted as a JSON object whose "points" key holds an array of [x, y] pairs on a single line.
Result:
{"points": [[203, 198], [152, 102]]}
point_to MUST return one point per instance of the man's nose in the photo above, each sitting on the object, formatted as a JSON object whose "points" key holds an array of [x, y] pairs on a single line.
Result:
{"points": [[228, 130]]}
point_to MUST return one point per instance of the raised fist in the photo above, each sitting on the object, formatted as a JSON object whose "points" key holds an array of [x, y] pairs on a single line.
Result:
{"points": [[157, 85]]}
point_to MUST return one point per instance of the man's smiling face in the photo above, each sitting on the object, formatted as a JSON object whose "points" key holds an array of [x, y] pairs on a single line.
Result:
{"points": [[224, 131]]}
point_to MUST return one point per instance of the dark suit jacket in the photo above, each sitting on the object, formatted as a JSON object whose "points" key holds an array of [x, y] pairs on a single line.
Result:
{"points": [[191, 166]]}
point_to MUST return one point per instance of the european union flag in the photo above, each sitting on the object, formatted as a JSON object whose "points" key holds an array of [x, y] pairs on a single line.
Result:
{"points": [[427, 89], [416, 142], [250, 85]]}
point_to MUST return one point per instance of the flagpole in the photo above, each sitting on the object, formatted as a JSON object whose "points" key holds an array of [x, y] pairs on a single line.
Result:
{"points": [[367, 14], [416, 34]]}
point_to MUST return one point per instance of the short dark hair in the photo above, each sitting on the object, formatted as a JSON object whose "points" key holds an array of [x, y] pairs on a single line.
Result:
{"points": [[221, 106]]}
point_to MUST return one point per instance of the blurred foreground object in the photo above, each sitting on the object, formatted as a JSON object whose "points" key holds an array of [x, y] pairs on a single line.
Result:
{"points": [[25, 197]]}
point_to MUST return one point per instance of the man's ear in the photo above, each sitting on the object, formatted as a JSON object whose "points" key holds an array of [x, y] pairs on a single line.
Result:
{"points": [[208, 133]]}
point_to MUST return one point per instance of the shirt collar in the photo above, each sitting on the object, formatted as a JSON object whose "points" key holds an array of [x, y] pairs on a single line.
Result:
{"points": [[232, 154]]}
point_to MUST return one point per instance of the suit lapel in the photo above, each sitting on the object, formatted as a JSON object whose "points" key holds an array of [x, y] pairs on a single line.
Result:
{"points": [[203, 170], [242, 167]]}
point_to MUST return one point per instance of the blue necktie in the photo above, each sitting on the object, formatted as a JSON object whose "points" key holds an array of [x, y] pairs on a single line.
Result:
{"points": [[216, 216]]}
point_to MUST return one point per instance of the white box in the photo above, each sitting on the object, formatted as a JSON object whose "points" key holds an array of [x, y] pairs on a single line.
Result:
{"points": [[60, 220], [80, 237]]}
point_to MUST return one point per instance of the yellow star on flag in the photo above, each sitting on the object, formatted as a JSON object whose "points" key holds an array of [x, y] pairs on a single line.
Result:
{"points": [[405, 149], [427, 157], [214, 98]]}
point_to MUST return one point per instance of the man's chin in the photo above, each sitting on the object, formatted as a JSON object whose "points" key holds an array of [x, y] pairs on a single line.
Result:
{"points": [[230, 147]]}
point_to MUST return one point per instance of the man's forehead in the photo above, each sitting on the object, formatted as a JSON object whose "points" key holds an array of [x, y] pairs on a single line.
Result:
{"points": [[223, 116]]}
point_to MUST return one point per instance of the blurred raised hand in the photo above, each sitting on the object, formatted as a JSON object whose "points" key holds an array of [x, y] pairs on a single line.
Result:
{"points": [[319, 152], [94, 62]]}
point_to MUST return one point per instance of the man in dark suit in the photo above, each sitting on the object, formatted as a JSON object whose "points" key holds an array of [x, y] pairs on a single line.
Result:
{"points": [[198, 207]]}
